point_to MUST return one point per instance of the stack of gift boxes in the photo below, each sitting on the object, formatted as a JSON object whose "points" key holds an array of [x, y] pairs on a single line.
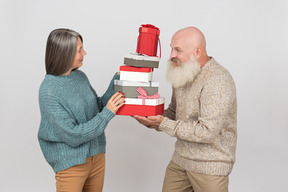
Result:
{"points": [[135, 82]]}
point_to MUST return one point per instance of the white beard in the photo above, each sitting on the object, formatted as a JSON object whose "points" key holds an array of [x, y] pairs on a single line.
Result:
{"points": [[183, 73]]}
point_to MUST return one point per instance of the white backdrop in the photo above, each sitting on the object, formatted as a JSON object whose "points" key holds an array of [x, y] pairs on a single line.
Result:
{"points": [[248, 37]]}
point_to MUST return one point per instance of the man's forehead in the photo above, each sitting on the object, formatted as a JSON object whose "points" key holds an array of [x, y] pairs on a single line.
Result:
{"points": [[176, 46], [177, 42]]}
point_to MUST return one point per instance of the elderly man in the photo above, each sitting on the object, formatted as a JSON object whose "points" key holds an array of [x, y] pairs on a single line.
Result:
{"points": [[202, 116]]}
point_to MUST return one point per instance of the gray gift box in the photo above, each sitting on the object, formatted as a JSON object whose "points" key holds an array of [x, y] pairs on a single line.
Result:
{"points": [[129, 87], [137, 60]]}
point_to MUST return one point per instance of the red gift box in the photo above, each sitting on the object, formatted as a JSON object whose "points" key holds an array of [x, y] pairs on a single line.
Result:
{"points": [[142, 107], [148, 40]]}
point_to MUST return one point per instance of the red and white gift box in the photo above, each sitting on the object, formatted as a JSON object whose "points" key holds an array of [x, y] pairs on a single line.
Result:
{"points": [[129, 73], [142, 107]]}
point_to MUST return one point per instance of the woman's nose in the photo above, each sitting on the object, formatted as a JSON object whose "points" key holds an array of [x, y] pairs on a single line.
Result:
{"points": [[84, 52]]}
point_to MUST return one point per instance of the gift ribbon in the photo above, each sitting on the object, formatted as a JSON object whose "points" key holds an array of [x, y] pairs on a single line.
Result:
{"points": [[143, 95]]}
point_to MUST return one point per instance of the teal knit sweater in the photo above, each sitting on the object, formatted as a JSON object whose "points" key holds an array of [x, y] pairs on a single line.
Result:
{"points": [[73, 119]]}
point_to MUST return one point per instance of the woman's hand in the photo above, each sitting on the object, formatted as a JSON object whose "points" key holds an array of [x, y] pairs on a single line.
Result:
{"points": [[115, 102]]}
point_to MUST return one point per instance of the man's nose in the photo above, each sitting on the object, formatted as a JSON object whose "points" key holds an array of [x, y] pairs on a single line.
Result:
{"points": [[172, 54]]}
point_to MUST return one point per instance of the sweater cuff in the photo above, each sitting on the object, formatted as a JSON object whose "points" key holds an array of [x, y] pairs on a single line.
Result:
{"points": [[168, 126], [107, 114], [116, 77]]}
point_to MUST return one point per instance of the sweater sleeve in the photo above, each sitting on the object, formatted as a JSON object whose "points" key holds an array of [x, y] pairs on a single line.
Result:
{"points": [[60, 126], [217, 99], [170, 112], [102, 101]]}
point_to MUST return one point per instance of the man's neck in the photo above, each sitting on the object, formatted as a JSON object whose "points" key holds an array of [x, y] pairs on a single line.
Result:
{"points": [[202, 61]]}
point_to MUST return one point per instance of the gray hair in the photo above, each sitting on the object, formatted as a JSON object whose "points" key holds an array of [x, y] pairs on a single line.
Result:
{"points": [[60, 51]]}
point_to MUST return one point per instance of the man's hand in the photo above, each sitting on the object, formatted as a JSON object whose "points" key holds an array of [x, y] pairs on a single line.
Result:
{"points": [[150, 121]]}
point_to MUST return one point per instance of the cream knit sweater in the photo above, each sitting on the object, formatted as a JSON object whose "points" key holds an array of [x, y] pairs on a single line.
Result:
{"points": [[203, 116]]}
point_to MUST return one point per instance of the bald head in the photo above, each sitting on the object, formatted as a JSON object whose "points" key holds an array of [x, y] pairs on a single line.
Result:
{"points": [[192, 42], [192, 36]]}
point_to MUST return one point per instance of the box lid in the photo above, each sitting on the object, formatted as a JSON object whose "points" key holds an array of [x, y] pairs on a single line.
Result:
{"points": [[136, 69], [136, 83], [142, 57], [151, 102], [149, 28]]}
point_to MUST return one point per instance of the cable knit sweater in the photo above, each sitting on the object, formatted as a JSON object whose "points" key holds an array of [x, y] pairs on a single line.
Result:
{"points": [[203, 116], [73, 119]]}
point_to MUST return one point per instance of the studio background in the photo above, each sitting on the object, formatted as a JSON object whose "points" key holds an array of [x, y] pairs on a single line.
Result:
{"points": [[248, 37]]}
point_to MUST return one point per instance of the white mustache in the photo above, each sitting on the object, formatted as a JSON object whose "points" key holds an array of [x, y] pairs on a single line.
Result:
{"points": [[174, 59]]}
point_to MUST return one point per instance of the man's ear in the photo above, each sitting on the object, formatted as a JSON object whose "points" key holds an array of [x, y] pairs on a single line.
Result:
{"points": [[197, 52]]}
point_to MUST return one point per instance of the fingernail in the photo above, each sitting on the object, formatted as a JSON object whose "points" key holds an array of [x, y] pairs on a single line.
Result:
{"points": [[122, 93], [124, 97]]}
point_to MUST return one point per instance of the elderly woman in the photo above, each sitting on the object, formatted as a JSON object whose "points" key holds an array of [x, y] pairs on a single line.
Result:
{"points": [[73, 116]]}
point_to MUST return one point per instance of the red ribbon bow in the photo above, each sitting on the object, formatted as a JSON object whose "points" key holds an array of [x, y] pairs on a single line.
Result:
{"points": [[143, 95]]}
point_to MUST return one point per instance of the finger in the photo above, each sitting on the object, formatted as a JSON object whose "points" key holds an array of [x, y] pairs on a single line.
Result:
{"points": [[115, 95], [152, 117], [145, 122], [140, 118], [121, 100], [135, 116], [120, 104]]}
